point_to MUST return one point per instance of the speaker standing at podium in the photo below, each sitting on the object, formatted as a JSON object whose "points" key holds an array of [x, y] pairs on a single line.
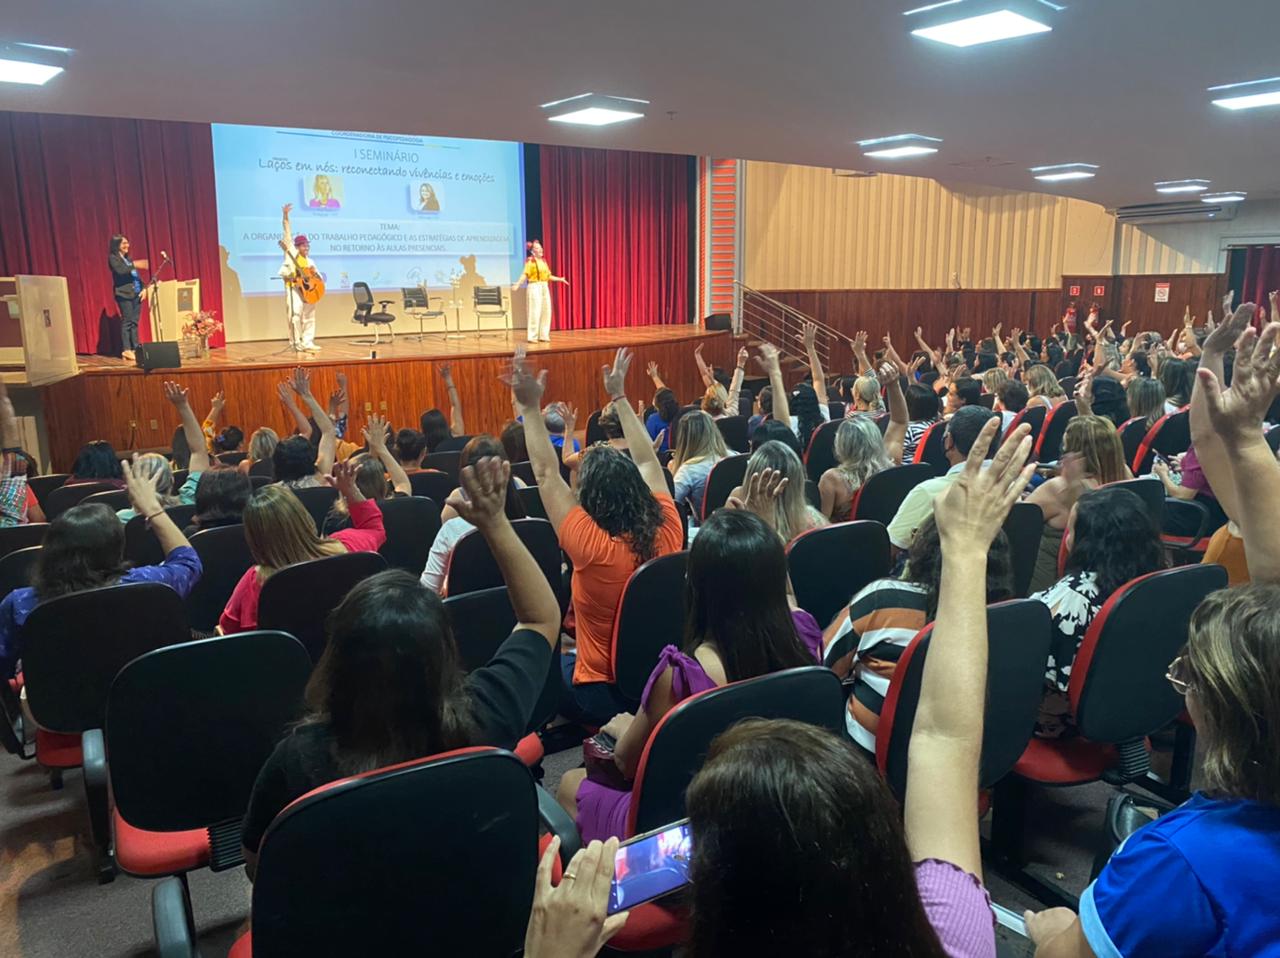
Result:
{"points": [[128, 291]]}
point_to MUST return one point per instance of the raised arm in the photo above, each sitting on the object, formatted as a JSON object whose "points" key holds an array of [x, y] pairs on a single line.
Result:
{"points": [[708, 378], [1210, 449], [995, 336], [638, 441], [1015, 340], [375, 435], [768, 360], [655, 375], [485, 484], [455, 404], [932, 353], [816, 373], [940, 809], [735, 384], [286, 231], [527, 389], [146, 502], [190, 427], [210, 425], [896, 435], [327, 454], [859, 346], [302, 426]]}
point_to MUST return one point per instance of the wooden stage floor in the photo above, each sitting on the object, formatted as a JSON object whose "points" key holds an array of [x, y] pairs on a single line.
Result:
{"points": [[116, 401]]}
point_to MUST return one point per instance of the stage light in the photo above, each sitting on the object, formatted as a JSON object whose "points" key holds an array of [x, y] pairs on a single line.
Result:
{"points": [[1252, 94], [31, 63], [900, 146], [594, 109], [987, 28], [1233, 196], [1062, 172], [1182, 186]]}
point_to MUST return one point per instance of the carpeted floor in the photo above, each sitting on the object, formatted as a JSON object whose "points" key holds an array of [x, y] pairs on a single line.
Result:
{"points": [[51, 906]]}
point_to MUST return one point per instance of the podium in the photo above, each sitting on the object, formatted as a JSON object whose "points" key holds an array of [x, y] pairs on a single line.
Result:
{"points": [[172, 302]]}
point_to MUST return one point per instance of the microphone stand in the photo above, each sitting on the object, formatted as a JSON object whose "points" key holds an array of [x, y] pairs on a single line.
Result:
{"points": [[154, 297]]}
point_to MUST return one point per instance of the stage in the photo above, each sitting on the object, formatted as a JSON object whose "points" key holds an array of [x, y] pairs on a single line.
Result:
{"points": [[116, 401]]}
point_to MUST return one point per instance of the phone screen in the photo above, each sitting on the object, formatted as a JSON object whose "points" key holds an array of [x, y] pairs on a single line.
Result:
{"points": [[650, 866]]}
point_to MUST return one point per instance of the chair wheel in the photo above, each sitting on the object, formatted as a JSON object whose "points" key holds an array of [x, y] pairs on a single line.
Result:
{"points": [[55, 779], [106, 869]]}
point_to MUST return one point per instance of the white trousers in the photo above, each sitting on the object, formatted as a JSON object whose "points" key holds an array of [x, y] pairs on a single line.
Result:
{"points": [[302, 321], [538, 307]]}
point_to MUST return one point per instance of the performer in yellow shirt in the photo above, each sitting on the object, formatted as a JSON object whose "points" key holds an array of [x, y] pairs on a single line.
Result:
{"points": [[537, 275]]}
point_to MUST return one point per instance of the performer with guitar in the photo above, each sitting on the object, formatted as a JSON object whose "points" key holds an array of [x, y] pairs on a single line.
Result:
{"points": [[304, 287]]}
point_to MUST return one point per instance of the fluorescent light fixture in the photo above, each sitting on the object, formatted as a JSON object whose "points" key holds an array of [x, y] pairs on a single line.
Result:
{"points": [[1063, 172], [985, 28], [1252, 94], [31, 63], [900, 146], [20, 71], [1182, 186], [1234, 196], [594, 109]]}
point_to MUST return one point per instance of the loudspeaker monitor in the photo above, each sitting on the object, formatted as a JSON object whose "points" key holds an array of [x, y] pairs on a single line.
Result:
{"points": [[718, 321], [161, 355]]}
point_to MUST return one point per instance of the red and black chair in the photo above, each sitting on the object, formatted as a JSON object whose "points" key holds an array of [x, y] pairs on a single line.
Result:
{"points": [[1188, 524], [317, 500], [734, 431], [1023, 527], [725, 476], [1132, 432], [43, 485], [24, 536], [61, 498], [881, 495], [431, 857], [141, 547], [1169, 436], [298, 598], [1118, 695], [1151, 491], [472, 566], [830, 564], [676, 750], [435, 486], [1033, 416], [1018, 635], [73, 647], [224, 558], [1048, 446], [481, 622], [188, 729], [821, 454], [929, 448], [650, 617], [411, 523]]}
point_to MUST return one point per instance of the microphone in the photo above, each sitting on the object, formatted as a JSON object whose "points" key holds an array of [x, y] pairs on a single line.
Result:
{"points": [[164, 255]]}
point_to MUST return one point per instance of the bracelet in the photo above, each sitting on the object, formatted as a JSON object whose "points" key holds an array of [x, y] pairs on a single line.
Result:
{"points": [[617, 398], [153, 516]]}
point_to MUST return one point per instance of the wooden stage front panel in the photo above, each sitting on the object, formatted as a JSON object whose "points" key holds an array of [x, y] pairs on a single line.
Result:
{"points": [[402, 382]]}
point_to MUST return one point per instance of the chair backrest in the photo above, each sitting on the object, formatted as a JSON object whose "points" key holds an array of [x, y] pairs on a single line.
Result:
{"points": [[453, 443], [113, 499], [437, 856], [435, 486], [650, 616], [74, 645], [524, 472], [1151, 491], [363, 296], [1132, 432], [596, 434], [1170, 435], [487, 296], [299, 598], [531, 500], [263, 467], [43, 485], [1118, 690], [835, 410], [1018, 635], [189, 726], [734, 431], [141, 547], [481, 622], [1033, 416], [16, 568], [1024, 527], [446, 462], [1068, 384], [812, 494], [60, 499], [24, 536], [831, 563], [225, 558], [411, 523], [930, 449], [1272, 436], [821, 454], [1048, 446], [725, 476], [880, 496], [679, 743], [317, 500], [472, 566], [232, 458]]}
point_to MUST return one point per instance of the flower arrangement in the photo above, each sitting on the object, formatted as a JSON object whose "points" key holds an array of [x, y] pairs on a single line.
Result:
{"points": [[201, 325]]}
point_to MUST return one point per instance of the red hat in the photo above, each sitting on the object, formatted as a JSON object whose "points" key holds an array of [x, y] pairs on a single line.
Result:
{"points": [[301, 240]]}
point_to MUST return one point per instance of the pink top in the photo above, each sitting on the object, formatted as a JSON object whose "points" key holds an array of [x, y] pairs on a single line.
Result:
{"points": [[365, 535]]}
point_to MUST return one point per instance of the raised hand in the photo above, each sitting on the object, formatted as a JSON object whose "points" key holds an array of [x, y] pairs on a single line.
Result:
{"points": [[375, 433], [1015, 335], [810, 336], [287, 208], [888, 372], [176, 394], [570, 920], [914, 367], [446, 373], [141, 487], [344, 480], [282, 390], [569, 413], [743, 356], [1124, 328], [1237, 413], [971, 510], [615, 379], [1224, 337], [652, 369], [768, 358], [760, 493], [301, 381], [526, 386], [217, 403], [995, 330], [1227, 299], [482, 496]]}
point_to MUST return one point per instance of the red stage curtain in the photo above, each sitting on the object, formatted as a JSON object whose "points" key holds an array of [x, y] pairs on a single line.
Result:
{"points": [[616, 225], [1261, 276], [67, 183]]}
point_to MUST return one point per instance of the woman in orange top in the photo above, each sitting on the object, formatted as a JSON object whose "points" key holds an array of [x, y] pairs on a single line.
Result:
{"points": [[538, 277]]}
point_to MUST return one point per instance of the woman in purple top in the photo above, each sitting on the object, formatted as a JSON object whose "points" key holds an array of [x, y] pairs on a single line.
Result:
{"points": [[84, 549], [737, 626]]}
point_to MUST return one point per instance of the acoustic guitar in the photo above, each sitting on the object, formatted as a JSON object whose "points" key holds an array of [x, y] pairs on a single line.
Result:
{"points": [[307, 279]]}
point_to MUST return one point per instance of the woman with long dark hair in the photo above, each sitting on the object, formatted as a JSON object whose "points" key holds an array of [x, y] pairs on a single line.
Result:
{"points": [[389, 687], [127, 287], [666, 410]]}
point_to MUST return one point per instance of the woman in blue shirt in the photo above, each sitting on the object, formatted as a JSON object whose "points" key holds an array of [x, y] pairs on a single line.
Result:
{"points": [[1200, 880]]}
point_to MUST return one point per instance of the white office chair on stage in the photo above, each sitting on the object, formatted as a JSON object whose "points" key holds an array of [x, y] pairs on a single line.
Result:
{"points": [[365, 315]]}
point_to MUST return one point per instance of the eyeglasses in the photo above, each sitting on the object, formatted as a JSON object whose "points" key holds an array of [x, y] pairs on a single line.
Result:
{"points": [[1175, 673]]}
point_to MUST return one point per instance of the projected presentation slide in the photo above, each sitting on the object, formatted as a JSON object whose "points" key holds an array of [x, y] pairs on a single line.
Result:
{"points": [[384, 209]]}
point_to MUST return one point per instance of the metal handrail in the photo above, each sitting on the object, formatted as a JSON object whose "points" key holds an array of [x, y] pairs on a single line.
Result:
{"points": [[777, 321]]}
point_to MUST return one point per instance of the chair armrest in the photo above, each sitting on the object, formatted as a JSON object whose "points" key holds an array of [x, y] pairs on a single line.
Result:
{"points": [[1173, 505], [95, 758], [558, 823], [170, 916]]}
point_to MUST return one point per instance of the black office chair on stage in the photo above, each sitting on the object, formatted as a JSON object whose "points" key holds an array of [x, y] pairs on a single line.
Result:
{"points": [[366, 316], [489, 305], [417, 304]]}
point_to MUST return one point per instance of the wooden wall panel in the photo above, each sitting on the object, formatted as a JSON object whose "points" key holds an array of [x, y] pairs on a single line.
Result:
{"points": [[100, 405]]}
